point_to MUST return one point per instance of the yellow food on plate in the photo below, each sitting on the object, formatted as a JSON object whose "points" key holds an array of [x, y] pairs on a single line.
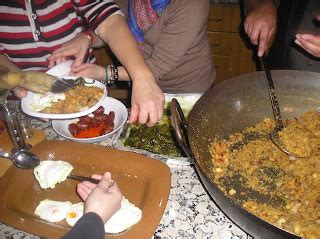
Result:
{"points": [[50, 172], [52, 211], [124, 218], [74, 213]]}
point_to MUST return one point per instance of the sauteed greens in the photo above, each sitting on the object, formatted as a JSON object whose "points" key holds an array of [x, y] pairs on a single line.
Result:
{"points": [[159, 139]]}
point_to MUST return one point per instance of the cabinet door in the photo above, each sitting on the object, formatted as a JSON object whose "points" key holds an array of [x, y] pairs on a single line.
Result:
{"points": [[230, 66], [224, 18], [228, 44]]}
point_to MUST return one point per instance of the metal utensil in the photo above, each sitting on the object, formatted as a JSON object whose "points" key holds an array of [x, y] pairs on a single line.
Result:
{"points": [[83, 178], [274, 134], [62, 85], [22, 159]]}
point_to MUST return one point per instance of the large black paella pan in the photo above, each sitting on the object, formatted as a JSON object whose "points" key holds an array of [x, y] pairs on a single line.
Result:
{"points": [[231, 107]]}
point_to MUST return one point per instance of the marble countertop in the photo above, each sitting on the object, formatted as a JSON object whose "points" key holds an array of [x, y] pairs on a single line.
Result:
{"points": [[190, 213]]}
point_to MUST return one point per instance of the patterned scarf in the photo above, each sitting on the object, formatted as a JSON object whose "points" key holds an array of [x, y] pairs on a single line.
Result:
{"points": [[142, 14]]}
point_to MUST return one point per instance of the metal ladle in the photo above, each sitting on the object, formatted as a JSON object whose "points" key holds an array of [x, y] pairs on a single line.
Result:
{"points": [[274, 134], [22, 159]]}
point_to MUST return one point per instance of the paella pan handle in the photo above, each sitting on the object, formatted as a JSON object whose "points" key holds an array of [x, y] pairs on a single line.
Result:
{"points": [[181, 128]]}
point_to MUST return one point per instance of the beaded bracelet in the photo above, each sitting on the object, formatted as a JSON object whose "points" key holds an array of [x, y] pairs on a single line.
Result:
{"points": [[114, 76]]}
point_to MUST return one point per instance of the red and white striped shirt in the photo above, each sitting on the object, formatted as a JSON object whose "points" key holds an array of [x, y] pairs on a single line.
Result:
{"points": [[30, 30]]}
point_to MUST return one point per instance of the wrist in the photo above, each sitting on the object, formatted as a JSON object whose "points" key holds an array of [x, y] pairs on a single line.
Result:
{"points": [[89, 36], [143, 76]]}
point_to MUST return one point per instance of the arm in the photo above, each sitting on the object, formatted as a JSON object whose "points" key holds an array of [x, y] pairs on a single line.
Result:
{"points": [[6, 63], [261, 23], [89, 226], [147, 98]]}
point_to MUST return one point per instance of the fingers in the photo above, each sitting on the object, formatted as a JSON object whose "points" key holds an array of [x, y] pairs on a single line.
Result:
{"points": [[310, 43], [153, 118], [263, 42], [83, 191], [144, 116], [134, 113], [96, 176], [248, 28], [105, 182], [79, 59], [20, 92]]}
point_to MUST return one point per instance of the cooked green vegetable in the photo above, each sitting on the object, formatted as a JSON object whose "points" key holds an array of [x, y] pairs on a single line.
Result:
{"points": [[159, 139]]}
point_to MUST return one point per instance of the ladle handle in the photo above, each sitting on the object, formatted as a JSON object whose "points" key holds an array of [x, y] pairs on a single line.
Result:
{"points": [[181, 128], [16, 135], [273, 98]]}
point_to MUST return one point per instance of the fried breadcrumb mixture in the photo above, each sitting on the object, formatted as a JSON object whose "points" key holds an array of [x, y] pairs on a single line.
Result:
{"points": [[256, 174], [77, 99]]}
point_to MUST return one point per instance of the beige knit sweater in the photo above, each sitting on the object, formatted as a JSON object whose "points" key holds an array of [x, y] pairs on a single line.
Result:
{"points": [[177, 47]]}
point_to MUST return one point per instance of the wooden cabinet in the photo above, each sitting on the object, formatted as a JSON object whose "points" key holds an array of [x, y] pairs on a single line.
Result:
{"points": [[229, 47]]}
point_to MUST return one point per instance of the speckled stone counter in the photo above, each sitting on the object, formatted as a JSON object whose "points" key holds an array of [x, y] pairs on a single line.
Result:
{"points": [[190, 213]]}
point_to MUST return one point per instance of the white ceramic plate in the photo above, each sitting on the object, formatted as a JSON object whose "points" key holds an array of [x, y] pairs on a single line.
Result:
{"points": [[62, 69], [29, 99], [109, 104]]}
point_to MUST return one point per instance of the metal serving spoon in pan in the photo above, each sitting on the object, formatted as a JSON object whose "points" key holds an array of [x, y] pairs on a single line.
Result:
{"points": [[274, 134]]}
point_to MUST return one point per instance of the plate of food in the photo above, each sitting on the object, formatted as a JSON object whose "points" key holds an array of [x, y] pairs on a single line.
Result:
{"points": [[44, 201], [84, 98]]}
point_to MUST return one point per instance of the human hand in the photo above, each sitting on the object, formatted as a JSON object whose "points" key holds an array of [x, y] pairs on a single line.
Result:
{"points": [[147, 103], [309, 42], [100, 199], [20, 92], [89, 70], [260, 25], [77, 47]]}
